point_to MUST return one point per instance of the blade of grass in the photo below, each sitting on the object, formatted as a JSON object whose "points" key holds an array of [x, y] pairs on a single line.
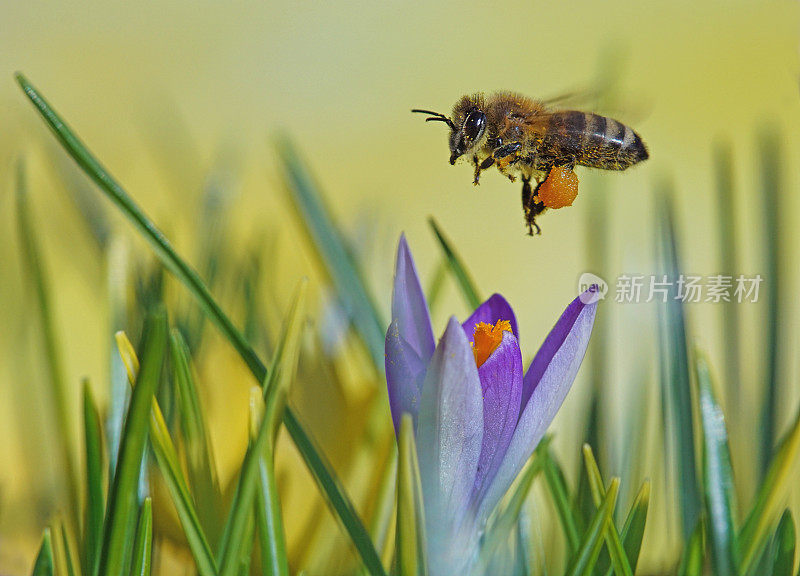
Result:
{"points": [[458, 269], [694, 553], [728, 258], [411, 549], [717, 476], [333, 251], [170, 467], [773, 489], [381, 523], [675, 376], [318, 465], [123, 497], [272, 538], [619, 560], [583, 500], [274, 561], [95, 498], [783, 546], [162, 247], [201, 464], [44, 559], [127, 354], [633, 529], [276, 390], [770, 157], [557, 485], [143, 545], [434, 291], [246, 550], [62, 551], [586, 555], [72, 569], [54, 365]]}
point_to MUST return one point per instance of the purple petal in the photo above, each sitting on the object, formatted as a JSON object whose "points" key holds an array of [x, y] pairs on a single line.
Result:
{"points": [[494, 309], [405, 371], [501, 381], [409, 307], [548, 380], [555, 339], [450, 429]]}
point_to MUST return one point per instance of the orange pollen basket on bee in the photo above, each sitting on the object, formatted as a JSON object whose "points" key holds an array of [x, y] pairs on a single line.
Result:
{"points": [[487, 339]]}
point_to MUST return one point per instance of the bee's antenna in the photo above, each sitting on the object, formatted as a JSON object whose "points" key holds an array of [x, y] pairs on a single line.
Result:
{"points": [[436, 117]]}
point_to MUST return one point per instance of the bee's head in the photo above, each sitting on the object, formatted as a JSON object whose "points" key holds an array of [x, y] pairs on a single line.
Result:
{"points": [[467, 125]]}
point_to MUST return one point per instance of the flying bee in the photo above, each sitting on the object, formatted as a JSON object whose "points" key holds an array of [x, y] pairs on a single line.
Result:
{"points": [[526, 139]]}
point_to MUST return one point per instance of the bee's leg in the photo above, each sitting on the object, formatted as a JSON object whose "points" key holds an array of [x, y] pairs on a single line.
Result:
{"points": [[536, 209], [487, 163], [531, 204]]}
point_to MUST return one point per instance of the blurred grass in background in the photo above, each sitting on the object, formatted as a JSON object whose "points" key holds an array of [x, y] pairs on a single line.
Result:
{"points": [[180, 103]]}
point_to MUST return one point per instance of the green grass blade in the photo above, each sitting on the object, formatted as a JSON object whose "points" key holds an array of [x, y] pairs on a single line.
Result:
{"points": [[162, 247], [783, 546], [633, 530], [44, 565], [269, 519], [381, 522], [717, 476], [619, 560], [56, 380], [72, 570], [586, 555], [411, 547], [583, 500], [246, 550], [675, 377], [201, 464], [62, 552], [436, 284], [95, 498], [457, 267], [694, 553], [170, 467], [771, 492], [557, 485], [771, 200], [318, 465], [276, 389], [274, 561], [143, 545], [728, 258], [123, 497], [333, 252]]}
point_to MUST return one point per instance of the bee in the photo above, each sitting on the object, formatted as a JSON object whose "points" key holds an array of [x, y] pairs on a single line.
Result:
{"points": [[524, 138]]}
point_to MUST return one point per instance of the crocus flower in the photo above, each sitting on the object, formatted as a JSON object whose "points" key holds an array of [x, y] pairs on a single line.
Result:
{"points": [[477, 416]]}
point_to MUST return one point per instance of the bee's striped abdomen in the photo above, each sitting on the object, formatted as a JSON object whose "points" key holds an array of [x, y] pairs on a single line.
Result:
{"points": [[593, 140]]}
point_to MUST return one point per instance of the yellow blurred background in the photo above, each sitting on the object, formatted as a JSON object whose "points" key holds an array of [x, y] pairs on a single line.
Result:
{"points": [[166, 92]]}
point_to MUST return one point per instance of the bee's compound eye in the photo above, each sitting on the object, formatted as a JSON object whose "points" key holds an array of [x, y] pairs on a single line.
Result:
{"points": [[474, 125]]}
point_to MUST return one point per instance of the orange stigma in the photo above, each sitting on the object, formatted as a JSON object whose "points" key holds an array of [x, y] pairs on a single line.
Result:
{"points": [[487, 339]]}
